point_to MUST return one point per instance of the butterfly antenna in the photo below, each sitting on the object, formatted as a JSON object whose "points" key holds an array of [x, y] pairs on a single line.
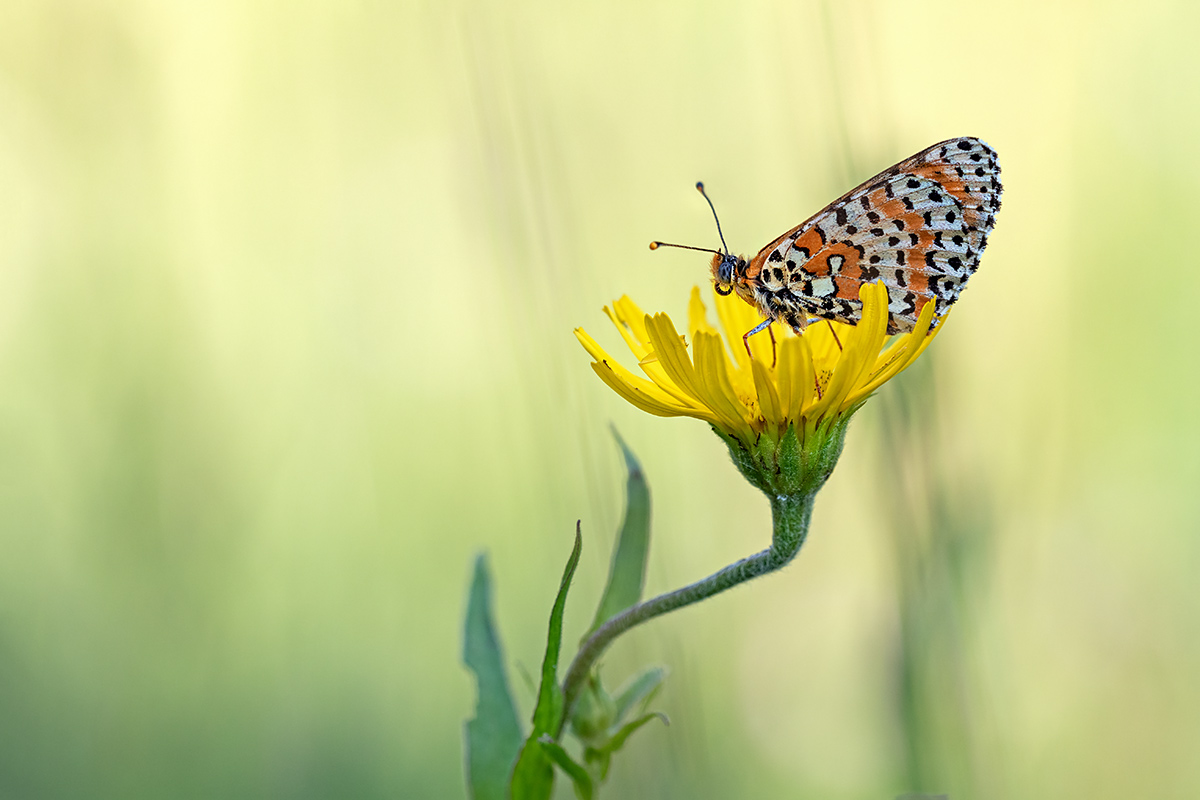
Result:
{"points": [[700, 189], [656, 245]]}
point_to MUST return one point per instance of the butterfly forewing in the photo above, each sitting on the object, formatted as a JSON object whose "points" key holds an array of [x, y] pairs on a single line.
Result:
{"points": [[918, 227]]}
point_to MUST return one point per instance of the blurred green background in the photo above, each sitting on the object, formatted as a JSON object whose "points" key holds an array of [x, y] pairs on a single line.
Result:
{"points": [[286, 299]]}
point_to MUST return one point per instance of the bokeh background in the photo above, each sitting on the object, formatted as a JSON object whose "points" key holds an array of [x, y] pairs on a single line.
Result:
{"points": [[286, 300]]}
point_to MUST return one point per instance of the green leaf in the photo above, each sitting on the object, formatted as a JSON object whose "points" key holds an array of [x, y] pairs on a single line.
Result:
{"points": [[627, 573], [601, 757], [618, 741], [533, 776], [639, 690], [494, 735], [584, 788]]}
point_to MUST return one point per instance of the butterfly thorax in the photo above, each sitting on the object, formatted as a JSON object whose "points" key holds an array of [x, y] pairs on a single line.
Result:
{"points": [[733, 274]]}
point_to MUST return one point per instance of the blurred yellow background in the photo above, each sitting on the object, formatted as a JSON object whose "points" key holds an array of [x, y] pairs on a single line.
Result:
{"points": [[286, 299]]}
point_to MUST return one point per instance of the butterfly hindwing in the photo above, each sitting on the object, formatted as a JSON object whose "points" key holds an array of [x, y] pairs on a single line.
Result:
{"points": [[918, 227]]}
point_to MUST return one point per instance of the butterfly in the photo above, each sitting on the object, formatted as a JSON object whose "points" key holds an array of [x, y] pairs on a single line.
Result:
{"points": [[919, 227]]}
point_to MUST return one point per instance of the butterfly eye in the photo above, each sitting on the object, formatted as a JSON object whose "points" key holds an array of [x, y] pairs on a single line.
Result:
{"points": [[725, 270], [723, 290]]}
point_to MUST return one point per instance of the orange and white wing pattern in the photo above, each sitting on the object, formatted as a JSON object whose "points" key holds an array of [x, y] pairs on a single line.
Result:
{"points": [[920, 227]]}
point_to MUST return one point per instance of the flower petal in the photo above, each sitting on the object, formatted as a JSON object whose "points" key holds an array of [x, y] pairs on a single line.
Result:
{"points": [[637, 397], [712, 373], [899, 356], [797, 379], [638, 346], [698, 314], [673, 357], [814, 378], [643, 350], [769, 402], [737, 318], [633, 316], [635, 382], [860, 348]]}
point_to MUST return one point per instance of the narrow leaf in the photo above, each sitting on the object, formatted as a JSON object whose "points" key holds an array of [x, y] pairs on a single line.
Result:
{"points": [[618, 741], [584, 788], [549, 708], [639, 690], [627, 572], [493, 737], [533, 776]]}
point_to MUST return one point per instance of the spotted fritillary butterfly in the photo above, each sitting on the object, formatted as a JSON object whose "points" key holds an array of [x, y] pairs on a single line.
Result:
{"points": [[919, 227]]}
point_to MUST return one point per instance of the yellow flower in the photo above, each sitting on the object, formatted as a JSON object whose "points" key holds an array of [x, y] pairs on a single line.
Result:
{"points": [[811, 381]]}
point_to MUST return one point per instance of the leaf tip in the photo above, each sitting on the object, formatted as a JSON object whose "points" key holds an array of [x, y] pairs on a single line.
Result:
{"points": [[632, 465]]}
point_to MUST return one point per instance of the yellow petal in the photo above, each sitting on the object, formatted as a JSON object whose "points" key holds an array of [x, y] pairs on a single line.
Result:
{"points": [[673, 357], [636, 383], [860, 349], [698, 314], [768, 398], [593, 348], [639, 347], [739, 393], [714, 381], [796, 376], [827, 342], [899, 356], [629, 313], [737, 318], [642, 400]]}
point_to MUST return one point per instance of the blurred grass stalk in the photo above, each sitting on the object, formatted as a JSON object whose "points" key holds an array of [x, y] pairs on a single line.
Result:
{"points": [[941, 530], [939, 526]]}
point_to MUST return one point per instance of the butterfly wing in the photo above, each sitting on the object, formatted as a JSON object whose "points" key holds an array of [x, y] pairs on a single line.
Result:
{"points": [[919, 227]]}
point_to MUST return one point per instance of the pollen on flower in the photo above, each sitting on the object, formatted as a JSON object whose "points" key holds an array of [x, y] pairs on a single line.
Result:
{"points": [[803, 381]]}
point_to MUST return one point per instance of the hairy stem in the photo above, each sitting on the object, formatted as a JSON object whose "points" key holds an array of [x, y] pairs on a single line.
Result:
{"points": [[790, 516]]}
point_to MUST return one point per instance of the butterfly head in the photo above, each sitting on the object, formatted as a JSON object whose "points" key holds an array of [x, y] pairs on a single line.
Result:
{"points": [[727, 269]]}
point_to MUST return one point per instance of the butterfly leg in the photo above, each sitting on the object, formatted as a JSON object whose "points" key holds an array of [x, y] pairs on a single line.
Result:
{"points": [[766, 323], [835, 336]]}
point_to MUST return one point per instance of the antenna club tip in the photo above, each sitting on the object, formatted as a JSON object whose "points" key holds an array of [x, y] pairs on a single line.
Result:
{"points": [[655, 245]]}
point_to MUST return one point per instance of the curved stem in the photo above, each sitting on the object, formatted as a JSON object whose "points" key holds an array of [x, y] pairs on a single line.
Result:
{"points": [[790, 517]]}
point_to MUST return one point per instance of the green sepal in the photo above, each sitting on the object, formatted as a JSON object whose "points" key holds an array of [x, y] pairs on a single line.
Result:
{"points": [[585, 788], [533, 775], [493, 736], [627, 572], [795, 463], [789, 456]]}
